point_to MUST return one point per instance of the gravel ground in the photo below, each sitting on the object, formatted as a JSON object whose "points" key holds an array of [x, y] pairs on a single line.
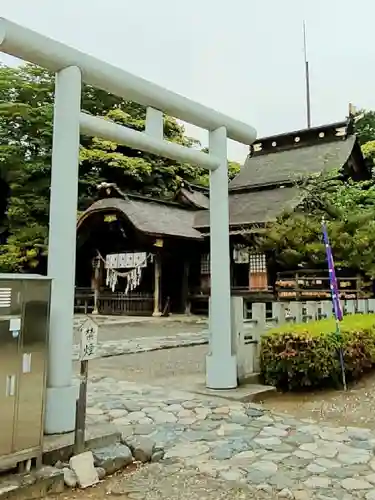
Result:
{"points": [[161, 328], [355, 407], [152, 367], [166, 482]]}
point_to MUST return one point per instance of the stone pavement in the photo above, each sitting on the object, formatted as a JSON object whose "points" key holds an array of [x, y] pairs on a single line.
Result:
{"points": [[110, 348], [239, 442], [159, 481]]}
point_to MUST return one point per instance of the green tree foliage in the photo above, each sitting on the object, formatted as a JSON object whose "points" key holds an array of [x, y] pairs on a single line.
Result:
{"points": [[295, 240], [131, 169], [26, 114], [365, 125], [365, 130]]}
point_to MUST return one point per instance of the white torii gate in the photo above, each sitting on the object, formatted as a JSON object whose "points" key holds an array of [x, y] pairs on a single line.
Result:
{"points": [[72, 67]]}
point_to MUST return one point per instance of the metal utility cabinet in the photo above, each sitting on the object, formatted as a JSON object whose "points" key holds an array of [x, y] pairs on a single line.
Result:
{"points": [[24, 319]]}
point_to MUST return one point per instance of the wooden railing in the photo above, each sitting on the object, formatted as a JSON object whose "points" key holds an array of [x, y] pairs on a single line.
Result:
{"points": [[83, 300], [135, 304]]}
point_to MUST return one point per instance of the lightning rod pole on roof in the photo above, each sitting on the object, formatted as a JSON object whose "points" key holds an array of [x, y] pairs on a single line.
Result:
{"points": [[307, 78]]}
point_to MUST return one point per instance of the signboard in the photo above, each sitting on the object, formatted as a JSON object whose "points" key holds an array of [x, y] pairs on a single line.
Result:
{"points": [[89, 339], [315, 287], [110, 218], [313, 294]]}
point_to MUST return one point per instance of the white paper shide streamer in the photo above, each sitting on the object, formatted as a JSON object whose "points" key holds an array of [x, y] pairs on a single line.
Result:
{"points": [[133, 277]]}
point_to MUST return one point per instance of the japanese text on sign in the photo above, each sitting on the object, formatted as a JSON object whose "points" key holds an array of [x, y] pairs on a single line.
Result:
{"points": [[89, 340]]}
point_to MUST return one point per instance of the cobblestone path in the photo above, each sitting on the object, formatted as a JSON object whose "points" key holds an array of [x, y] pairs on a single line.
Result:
{"points": [[243, 443]]}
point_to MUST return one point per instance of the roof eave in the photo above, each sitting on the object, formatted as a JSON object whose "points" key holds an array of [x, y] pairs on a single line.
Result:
{"points": [[92, 210]]}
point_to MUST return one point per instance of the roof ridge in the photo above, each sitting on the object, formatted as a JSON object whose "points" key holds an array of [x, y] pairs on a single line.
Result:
{"points": [[343, 123]]}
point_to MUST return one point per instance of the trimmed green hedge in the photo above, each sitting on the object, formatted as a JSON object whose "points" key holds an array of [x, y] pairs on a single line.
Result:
{"points": [[297, 356]]}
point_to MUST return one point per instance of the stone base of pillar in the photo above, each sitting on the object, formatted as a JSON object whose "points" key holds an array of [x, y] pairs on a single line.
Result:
{"points": [[188, 309], [221, 372], [60, 412]]}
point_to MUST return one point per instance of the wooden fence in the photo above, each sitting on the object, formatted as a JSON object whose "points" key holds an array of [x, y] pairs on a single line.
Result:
{"points": [[133, 304]]}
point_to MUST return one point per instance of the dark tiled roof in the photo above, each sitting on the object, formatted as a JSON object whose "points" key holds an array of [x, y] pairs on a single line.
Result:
{"points": [[196, 199], [150, 217], [253, 207], [292, 164]]}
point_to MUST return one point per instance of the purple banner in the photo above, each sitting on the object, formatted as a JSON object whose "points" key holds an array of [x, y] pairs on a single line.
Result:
{"points": [[332, 276]]}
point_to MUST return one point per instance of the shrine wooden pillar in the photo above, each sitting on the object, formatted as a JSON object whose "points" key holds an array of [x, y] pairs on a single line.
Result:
{"points": [[157, 285], [96, 282], [185, 287]]}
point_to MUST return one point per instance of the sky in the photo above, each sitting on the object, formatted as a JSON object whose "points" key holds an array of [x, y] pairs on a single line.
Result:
{"points": [[242, 57]]}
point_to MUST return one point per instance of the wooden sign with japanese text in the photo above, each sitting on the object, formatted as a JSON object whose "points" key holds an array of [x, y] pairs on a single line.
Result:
{"points": [[89, 340]]}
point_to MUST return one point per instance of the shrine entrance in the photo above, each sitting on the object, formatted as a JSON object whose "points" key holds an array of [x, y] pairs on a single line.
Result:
{"points": [[172, 276], [131, 257]]}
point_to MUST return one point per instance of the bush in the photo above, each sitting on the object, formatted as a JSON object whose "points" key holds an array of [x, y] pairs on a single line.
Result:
{"points": [[297, 356]]}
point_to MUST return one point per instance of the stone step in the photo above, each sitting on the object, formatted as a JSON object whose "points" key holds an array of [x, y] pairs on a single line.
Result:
{"points": [[245, 393], [33, 485], [61, 447], [252, 378]]}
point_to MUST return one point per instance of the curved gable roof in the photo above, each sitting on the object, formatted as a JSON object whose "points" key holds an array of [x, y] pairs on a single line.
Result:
{"points": [[149, 217], [292, 164]]}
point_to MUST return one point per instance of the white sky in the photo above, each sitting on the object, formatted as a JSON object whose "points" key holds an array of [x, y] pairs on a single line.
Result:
{"points": [[242, 57]]}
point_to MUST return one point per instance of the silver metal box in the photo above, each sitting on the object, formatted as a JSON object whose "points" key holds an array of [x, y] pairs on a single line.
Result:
{"points": [[24, 322]]}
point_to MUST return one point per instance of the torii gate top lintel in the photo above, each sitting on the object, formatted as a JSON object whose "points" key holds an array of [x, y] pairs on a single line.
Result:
{"points": [[31, 46]]}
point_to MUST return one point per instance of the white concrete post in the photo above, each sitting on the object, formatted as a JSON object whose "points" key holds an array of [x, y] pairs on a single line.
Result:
{"points": [[221, 364], [259, 314], [312, 310], [278, 311], [238, 333], [61, 394], [154, 123], [362, 306], [296, 311], [350, 306]]}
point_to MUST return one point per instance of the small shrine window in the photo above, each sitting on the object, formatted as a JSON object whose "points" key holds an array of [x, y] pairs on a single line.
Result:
{"points": [[258, 263], [205, 273], [258, 278], [205, 263]]}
